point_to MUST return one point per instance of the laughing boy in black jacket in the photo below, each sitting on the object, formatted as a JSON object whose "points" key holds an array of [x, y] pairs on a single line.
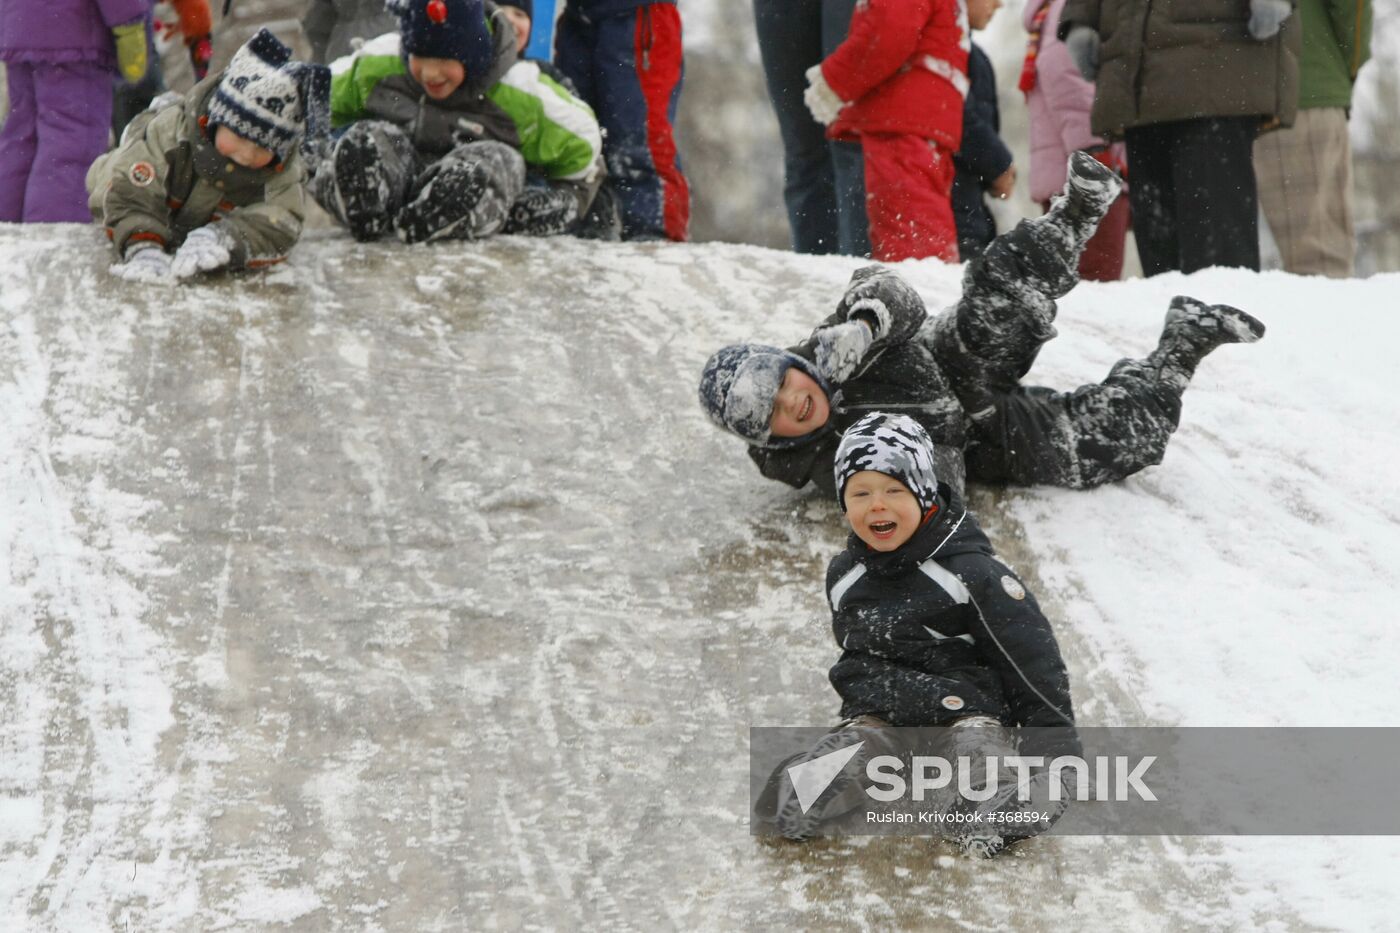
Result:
{"points": [[934, 630]]}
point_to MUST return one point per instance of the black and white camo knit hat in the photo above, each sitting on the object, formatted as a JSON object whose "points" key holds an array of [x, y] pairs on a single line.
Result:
{"points": [[895, 445], [268, 99], [739, 385]]}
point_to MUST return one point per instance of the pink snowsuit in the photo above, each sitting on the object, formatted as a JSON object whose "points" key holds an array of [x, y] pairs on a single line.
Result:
{"points": [[1059, 105]]}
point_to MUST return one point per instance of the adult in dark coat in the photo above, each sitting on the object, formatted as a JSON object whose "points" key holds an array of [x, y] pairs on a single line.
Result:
{"points": [[982, 159], [1189, 84]]}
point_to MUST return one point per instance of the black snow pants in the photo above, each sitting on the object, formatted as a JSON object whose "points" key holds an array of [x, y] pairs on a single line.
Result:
{"points": [[1029, 435], [1193, 194]]}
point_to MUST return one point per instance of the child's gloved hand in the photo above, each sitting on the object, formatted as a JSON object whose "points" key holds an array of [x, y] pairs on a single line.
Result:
{"points": [[131, 50], [145, 262], [542, 212], [841, 347], [1082, 43], [1266, 17], [820, 99], [201, 54], [204, 250]]}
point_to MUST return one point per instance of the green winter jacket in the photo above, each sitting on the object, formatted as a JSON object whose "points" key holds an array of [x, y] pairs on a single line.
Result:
{"points": [[1168, 60], [166, 179], [1336, 43], [515, 103]]}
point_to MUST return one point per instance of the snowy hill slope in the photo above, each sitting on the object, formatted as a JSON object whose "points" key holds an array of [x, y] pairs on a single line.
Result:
{"points": [[409, 589]]}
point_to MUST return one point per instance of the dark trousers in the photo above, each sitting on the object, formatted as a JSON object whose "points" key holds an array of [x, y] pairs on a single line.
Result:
{"points": [[629, 68], [824, 181], [1193, 195]]}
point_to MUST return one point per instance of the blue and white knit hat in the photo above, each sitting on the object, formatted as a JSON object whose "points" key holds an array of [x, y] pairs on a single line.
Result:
{"points": [[740, 384], [895, 445], [268, 99], [454, 29]]}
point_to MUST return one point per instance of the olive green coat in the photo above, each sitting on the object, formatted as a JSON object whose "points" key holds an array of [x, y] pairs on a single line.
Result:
{"points": [[166, 179], [1167, 60], [1336, 43]]}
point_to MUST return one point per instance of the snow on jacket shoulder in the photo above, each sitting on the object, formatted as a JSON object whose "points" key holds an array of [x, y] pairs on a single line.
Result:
{"points": [[168, 179], [940, 629], [515, 103], [902, 69]]}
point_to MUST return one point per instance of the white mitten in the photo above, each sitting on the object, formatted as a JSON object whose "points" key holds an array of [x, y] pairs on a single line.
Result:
{"points": [[1266, 17], [204, 250], [840, 348], [145, 262], [820, 98]]}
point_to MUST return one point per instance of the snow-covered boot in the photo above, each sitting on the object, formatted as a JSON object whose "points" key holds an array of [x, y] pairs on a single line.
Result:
{"points": [[1192, 330], [1090, 190], [968, 746], [364, 178], [803, 804], [543, 211], [603, 221], [467, 194]]}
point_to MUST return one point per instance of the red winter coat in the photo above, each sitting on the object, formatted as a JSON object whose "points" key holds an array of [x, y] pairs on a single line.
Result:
{"points": [[903, 69]]}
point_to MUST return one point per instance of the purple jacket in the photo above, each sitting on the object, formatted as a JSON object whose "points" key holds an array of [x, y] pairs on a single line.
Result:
{"points": [[1059, 106], [57, 31]]}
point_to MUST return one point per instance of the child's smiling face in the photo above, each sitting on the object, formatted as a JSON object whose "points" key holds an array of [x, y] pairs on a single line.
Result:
{"points": [[521, 23], [438, 76], [882, 511], [243, 151], [801, 406]]}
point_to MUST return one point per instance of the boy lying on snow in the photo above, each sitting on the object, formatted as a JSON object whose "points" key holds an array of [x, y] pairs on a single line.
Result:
{"points": [[214, 177], [441, 121], [934, 631], [958, 374]]}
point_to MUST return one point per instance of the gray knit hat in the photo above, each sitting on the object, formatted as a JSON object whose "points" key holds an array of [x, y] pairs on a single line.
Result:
{"points": [[739, 385]]}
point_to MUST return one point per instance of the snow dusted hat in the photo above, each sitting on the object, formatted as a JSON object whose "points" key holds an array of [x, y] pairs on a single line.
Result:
{"points": [[454, 29], [895, 445], [268, 99], [740, 384]]}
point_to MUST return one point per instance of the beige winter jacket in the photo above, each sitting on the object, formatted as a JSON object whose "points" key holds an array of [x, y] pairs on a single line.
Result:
{"points": [[167, 179]]}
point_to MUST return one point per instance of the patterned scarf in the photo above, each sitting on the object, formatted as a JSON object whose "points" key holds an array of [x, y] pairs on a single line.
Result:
{"points": [[1027, 81]]}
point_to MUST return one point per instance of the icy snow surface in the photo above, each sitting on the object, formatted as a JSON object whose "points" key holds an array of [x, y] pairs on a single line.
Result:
{"points": [[410, 589]]}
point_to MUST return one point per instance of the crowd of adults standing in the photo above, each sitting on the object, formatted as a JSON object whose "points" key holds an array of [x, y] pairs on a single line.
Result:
{"points": [[1208, 107]]}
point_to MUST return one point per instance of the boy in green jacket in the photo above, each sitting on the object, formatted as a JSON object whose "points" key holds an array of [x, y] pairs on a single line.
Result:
{"points": [[439, 123], [213, 181]]}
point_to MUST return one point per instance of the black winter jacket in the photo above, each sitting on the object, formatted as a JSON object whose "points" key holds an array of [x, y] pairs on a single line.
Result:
{"points": [[940, 629], [898, 374], [982, 158]]}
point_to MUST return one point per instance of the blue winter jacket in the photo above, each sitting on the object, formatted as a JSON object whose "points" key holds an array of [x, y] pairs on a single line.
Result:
{"points": [[981, 160], [594, 10]]}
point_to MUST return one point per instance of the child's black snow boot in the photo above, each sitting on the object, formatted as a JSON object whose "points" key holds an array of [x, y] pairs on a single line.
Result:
{"points": [[365, 177], [803, 804], [1192, 330], [465, 195]]}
